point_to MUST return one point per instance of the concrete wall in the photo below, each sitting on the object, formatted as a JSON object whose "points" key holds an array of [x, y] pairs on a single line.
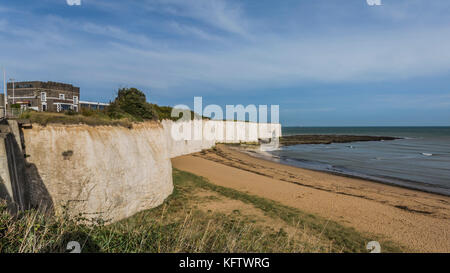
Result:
{"points": [[6, 191], [13, 178]]}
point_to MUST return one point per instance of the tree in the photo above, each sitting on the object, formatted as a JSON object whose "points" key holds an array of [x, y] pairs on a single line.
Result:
{"points": [[131, 102]]}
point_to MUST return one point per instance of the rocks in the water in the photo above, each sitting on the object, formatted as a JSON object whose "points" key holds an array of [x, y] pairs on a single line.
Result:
{"points": [[328, 139]]}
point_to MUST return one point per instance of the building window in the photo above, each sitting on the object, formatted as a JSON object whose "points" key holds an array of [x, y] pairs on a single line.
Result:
{"points": [[44, 107], [24, 86], [61, 96], [75, 99], [43, 96], [66, 107]]}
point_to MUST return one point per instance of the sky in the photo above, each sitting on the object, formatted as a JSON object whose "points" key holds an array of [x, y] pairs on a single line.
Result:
{"points": [[324, 62]]}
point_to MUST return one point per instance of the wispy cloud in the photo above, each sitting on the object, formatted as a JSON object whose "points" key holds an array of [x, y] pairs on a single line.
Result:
{"points": [[266, 61], [176, 47], [217, 13], [414, 101], [188, 30], [117, 33]]}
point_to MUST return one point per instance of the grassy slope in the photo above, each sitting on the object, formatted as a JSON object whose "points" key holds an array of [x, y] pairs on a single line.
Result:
{"points": [[93, 118], [182, 224]]}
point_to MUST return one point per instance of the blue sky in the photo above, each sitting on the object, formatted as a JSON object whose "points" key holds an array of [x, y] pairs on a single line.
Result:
{"points": [[325, 62]]}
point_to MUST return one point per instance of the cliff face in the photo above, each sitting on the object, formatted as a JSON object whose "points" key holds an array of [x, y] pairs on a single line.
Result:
{"points": [[111, 172], [206, 134]]}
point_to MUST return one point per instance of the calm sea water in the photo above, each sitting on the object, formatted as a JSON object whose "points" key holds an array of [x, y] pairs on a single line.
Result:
{"points": [[420, 160]]}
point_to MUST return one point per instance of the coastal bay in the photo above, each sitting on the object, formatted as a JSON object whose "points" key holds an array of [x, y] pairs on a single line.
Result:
{"points": [[418, 220]]}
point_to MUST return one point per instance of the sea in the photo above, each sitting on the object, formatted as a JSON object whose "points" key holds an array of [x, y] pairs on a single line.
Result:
{"points": [[419, 160]]}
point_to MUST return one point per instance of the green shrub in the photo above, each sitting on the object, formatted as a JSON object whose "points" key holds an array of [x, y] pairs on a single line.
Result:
{"points": [[165, 112], [131, 102], [71, 112], [96, 119]]}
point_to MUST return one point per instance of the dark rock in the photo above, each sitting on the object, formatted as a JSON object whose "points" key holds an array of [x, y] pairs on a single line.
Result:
{"points": [[328, 139]]}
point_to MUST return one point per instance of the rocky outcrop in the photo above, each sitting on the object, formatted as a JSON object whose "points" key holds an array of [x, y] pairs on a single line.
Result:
{"points": [[328, 139]]}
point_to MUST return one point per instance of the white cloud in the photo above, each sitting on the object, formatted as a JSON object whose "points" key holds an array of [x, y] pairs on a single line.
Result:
{"points": [[73, 2], [120, 56], [188, 30], [117, 33], [221, 15], [218, 13]]}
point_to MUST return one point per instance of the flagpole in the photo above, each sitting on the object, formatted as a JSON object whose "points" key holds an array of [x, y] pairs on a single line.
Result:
{"points": [[4, 89]]}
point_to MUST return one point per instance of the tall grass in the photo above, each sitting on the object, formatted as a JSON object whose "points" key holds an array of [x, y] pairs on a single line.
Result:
{"points": [[32, 232], [180, 226], [88, 117]]}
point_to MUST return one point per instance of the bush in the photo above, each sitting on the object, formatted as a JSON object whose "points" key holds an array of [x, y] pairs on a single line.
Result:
{"points": [[131, 102], [96, 119], [89, 112], [71, 112], [165, 112]]}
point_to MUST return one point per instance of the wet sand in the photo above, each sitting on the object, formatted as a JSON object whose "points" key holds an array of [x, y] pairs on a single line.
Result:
{"points": [[417, 220]]}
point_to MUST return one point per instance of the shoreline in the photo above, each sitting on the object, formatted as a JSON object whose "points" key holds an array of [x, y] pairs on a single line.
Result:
{"points": [[269, 157], [418, 220]]}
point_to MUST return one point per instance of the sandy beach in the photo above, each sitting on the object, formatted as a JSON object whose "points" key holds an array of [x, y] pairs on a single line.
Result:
{"points": [[417, 220]]}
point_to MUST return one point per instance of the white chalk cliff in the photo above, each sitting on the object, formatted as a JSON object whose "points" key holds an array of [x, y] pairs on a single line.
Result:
{"points": [[114, 172]]}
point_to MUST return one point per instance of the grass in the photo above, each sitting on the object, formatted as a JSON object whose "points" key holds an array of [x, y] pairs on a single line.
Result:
{"points": [[92, 118], [182, 224]]}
